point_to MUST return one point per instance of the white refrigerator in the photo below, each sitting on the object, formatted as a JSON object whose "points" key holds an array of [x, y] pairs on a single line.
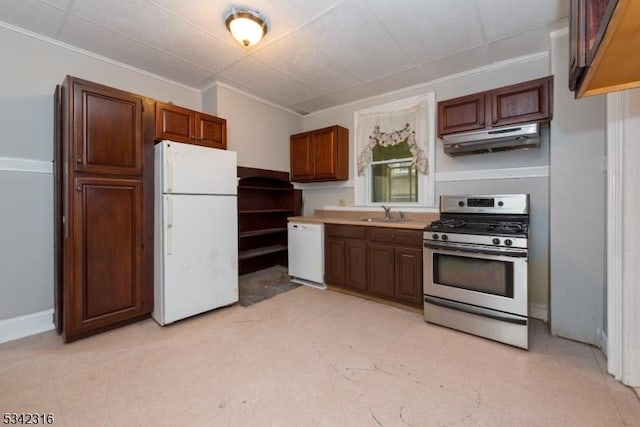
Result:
{"points": [[195, 230]]}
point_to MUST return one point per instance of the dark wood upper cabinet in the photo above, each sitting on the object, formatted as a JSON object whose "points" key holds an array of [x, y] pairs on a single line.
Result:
{"points": [[107, 135], [525, 102], [103, 208], [301, 157], [211, 131], [184, 125], [588, 19], [603, 36], [521, 103], [320, 155], [461, 114]]}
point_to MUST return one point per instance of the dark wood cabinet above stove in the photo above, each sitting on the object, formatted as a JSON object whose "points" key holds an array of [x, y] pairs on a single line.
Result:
{"points": [[526, 102]]}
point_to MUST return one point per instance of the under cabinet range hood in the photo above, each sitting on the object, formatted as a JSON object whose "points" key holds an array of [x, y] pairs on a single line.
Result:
{"points": [[491, 140]]}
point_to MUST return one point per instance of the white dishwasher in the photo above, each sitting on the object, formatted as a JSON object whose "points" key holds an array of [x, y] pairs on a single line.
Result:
{"points": [[306, 254]]}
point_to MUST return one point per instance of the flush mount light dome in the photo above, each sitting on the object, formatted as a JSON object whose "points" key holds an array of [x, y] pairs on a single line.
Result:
{"points": [[247, 26]]}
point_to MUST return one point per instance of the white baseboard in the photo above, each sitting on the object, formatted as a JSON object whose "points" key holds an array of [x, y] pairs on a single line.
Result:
{"points": [[24, 326], [601, 340], [539, 311]]}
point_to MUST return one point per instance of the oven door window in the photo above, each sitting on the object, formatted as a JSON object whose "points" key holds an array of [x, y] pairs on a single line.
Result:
{"points": [[477, 274]]}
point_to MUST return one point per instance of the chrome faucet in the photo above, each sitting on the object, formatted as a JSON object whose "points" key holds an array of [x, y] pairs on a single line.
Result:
{"points": [[386, 211]]}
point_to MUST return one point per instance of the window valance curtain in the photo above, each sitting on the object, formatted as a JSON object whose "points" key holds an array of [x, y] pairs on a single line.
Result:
{"points": [[387, 128]]}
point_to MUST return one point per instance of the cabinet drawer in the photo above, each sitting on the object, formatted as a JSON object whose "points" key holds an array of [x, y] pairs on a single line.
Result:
{"points": [[350, 231], [394, 235]]}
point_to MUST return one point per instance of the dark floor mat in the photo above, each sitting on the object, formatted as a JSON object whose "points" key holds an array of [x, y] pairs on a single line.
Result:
{"points": [[263, 284]]}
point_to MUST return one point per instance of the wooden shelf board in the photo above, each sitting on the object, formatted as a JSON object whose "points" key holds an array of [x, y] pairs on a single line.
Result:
{"points": [[262, 232], [258, 211], [261, 251], [256, 187]]}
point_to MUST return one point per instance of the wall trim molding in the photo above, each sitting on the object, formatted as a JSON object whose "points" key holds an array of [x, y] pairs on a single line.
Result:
{"points": [[601, 340], [559, 33], [623, 232], [615, 131], [485, 174], [13, 164], [539, 311], [24, 326]]}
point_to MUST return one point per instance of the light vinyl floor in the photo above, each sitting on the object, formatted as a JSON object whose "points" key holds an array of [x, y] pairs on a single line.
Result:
{"points": [[310, 358]]}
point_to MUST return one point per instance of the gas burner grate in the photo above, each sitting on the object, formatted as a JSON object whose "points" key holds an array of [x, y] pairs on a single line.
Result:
{"points": [[449, 223], [508, 227]]}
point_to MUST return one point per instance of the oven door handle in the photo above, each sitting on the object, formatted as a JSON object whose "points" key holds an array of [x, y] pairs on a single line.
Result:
{"points": [[474, 250], [472, 309]]}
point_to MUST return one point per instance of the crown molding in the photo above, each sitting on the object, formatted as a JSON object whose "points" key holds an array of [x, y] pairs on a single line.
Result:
{"points": [[96, 56]]}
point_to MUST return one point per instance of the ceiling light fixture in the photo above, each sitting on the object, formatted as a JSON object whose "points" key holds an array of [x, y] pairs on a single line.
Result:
{"points": [[246, 25]]}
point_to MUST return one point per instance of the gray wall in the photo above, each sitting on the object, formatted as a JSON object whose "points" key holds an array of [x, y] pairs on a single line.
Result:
{"points": [[538, 189], [31, 69], [319, 196], [258, 131], [578, 203]]}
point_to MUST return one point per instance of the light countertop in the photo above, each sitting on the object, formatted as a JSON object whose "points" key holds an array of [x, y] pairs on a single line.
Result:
{"points": [[415, 221]]}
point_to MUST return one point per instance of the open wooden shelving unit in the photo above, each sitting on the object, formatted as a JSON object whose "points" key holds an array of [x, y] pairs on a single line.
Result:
{"points": [[266, 198]]}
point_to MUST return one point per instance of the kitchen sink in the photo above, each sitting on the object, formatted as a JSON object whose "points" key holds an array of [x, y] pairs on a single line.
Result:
{"points": [[384, 220]]}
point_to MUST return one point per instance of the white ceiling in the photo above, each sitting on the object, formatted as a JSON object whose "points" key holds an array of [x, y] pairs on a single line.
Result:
{"points": [[317, 53]]}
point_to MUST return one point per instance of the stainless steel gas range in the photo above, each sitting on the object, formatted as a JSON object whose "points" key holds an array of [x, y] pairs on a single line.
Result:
{"points": [[476, 266]]}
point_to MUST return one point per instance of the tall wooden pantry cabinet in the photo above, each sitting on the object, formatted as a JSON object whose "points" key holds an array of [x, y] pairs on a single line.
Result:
{"points": [[103, 209]]}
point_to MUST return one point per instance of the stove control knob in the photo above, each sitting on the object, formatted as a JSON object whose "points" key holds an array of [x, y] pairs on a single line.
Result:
{"points": [[445, 237], [435, 236], [501, 203], [508, 242], [496, 241], [461, 203]]}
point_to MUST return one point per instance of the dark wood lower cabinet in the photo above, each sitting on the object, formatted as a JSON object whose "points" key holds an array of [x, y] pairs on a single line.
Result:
{"points": [[107, 240], [377, 261], [355, 264], [334, 260], [381, 268], [408, 277]]}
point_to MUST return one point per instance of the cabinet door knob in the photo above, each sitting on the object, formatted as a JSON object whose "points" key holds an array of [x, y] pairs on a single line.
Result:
{"points": [[78, 188], [79, 160]]}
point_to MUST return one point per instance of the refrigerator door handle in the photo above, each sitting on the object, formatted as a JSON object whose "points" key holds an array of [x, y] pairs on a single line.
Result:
{"points": [[169, 224], [169, 168]]}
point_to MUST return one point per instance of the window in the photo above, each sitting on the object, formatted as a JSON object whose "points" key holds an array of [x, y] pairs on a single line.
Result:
{"points": [[394, 151], [394, 175]]}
